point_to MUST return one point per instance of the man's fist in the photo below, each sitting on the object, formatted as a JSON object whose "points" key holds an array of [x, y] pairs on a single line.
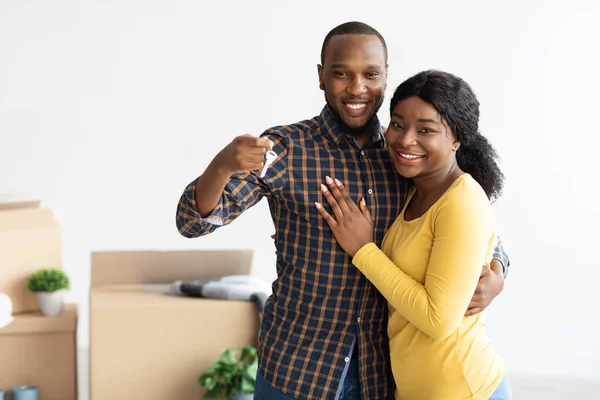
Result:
{"points": [[244, 153]]}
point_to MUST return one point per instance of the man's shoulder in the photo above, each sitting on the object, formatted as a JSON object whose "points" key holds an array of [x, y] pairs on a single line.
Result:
{"points": [[301, 129]]}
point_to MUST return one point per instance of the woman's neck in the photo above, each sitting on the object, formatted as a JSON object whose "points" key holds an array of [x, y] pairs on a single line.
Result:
{"points": [[429, 189], [437, 182]]}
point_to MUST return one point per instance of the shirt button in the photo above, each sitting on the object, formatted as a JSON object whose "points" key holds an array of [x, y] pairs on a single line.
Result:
{"points": [[362, 152], [370, 191], [347, 359], [358, 319]]}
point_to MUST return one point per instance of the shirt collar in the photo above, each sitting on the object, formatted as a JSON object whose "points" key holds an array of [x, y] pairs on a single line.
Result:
{"points": [[333, 131]]}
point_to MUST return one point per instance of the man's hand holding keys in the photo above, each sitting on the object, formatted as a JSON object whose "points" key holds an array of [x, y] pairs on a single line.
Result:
{"points": [[245, 153]]}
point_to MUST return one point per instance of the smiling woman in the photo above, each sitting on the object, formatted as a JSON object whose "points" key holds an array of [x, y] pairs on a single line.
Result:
{"points": [[434, 130], [430, 260]]}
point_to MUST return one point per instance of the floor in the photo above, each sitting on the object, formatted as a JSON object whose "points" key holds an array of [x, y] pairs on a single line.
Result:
{"points": [[528, 388], [524, 388]]}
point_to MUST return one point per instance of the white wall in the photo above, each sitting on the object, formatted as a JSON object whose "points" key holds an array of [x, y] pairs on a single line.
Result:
{"points": [[108, 110]]}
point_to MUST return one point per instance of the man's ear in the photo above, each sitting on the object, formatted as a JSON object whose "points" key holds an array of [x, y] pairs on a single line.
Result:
{"points": [[320, 71]]}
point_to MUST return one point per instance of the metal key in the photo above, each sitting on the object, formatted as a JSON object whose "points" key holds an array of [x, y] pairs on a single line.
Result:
{"points": [[270, 157]]}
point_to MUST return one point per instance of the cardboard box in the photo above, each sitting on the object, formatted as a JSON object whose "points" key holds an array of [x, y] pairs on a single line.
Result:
{"points": [[41, 351], [30, 239], [151, 346]]}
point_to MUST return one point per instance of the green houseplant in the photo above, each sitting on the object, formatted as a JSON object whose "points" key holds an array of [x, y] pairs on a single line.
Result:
{"points": [[231, 376], [49, 286]]}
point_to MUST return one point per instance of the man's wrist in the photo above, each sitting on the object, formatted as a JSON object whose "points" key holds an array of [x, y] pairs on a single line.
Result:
{"points": [[216, 171]]}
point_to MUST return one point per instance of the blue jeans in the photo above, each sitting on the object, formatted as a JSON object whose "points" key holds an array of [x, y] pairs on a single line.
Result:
{"points": [[350, 388], [263, 390], [503, 391]]}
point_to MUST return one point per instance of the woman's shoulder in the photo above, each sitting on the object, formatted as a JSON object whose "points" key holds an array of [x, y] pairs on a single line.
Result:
{"points": [[465, 195], [467, 185]]}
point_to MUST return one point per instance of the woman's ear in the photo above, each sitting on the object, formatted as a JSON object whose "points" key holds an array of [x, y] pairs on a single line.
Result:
{"points": [[456, 145]]}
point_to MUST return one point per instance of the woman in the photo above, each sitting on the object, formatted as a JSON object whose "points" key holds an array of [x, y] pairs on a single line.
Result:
{"points": [[430, 259]]}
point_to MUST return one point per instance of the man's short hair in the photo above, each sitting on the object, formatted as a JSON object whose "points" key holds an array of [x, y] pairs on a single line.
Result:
{"points": [[352, 28]]}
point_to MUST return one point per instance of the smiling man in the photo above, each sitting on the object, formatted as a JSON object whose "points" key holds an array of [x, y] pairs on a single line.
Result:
{"points": [[353, 75], [323, 333]]}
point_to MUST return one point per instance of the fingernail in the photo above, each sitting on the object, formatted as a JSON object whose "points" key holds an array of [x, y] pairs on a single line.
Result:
{"points": [[323, 187], [317, 205], [328, 180], [364, 203], [337, 182], [271, 144]]}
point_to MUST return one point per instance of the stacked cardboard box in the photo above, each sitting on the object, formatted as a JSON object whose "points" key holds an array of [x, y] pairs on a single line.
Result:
{"points": [[41, 351], [29, 240], [35, 350], [148, 345]]}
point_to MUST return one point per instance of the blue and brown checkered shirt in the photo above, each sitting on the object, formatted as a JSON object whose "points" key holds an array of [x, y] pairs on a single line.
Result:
{"points": [[322, 308]]}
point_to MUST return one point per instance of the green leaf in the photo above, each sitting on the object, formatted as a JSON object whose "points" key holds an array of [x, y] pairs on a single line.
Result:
{"points": [[251, 370], [214, 393], [230, 375], [247, 385], [248, 354], [227, 357], [207, 381], [47, 280]]}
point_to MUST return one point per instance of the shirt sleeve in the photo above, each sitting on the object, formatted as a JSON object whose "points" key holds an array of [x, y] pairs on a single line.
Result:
{"points": [[241, 192], [502, 257], [463, 231]]}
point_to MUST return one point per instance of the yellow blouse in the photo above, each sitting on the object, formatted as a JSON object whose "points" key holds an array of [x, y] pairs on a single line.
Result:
{"points": [[428, 269]]}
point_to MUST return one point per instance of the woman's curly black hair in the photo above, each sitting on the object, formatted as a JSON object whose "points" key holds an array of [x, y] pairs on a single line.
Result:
{"points": [[454, 99]]}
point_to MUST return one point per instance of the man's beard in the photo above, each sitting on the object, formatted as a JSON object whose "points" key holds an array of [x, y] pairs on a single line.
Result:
{"points": [[361, 130]]}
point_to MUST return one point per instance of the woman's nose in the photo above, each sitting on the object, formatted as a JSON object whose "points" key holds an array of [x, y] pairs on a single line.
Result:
{"points": [[407, 138]]}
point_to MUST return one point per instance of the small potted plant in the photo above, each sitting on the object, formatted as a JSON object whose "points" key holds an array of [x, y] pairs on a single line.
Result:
{"points": [[49, 286], [231, 376]]}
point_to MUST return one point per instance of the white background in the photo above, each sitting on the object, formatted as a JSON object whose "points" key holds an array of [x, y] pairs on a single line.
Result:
{"points": [[108, 109]]}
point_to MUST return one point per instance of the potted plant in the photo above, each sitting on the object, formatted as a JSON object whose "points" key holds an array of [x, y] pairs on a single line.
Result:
{"points": [[231, 376], [49, 286]]}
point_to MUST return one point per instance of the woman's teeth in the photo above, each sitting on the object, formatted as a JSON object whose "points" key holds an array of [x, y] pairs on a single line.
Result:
{"points": [[410, 156]]}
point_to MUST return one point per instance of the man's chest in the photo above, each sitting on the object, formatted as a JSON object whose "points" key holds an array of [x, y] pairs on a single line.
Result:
{"points": [[367, 173]]}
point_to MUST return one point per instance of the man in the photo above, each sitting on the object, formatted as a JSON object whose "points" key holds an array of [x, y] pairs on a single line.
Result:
{"points": [[323, 333]]}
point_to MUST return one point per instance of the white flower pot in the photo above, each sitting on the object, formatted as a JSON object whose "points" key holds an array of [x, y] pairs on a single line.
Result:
{"points": [[241, 397], [51, 303]]}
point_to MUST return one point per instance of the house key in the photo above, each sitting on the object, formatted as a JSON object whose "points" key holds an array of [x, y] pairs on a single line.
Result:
{"points": [[270, 157]]}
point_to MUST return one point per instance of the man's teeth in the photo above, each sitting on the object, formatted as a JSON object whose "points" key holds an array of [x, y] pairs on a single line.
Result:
{"points": [[410, 156], [356, 106]]}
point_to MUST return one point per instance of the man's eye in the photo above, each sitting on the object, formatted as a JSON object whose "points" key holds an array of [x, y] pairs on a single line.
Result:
{"points": [[372, 75], [341, 74]]}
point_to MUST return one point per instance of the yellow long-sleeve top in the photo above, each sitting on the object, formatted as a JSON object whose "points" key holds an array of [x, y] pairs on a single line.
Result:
{"points": [[428, 269]]}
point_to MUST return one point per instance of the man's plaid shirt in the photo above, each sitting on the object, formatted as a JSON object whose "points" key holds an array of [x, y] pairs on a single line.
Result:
{"points": [[322, 306]]}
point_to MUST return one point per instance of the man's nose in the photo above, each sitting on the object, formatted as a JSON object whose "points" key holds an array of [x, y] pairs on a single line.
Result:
{"points": [[357, 86]]}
